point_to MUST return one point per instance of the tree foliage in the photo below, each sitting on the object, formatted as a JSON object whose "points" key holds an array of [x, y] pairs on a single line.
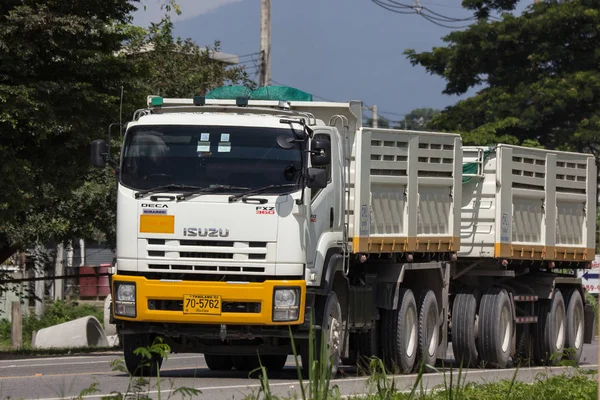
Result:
{"points": [[63, 68], [539, 72]]}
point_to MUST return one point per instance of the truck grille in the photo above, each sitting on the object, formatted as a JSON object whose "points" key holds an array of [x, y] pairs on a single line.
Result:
{"points": [[208, 268], [190, 250]]}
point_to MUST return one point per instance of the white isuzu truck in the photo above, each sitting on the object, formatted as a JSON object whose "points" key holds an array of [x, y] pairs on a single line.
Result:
{"points": [[240, 218]]}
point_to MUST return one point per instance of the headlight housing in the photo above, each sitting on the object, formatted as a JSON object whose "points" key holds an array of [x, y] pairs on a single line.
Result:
{"points": [[125, 299], [286, 304]]}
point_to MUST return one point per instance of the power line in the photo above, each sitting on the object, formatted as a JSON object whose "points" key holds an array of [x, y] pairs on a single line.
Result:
{"points": [[425, 12]]}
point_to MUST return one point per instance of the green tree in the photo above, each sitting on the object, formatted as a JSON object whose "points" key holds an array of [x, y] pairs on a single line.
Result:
{"points": [[62, 73], [59, 87], [539, 73], [418, 119]]}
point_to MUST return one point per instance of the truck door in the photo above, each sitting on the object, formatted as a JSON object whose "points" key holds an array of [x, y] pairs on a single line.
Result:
{"points": [[325, 204]]}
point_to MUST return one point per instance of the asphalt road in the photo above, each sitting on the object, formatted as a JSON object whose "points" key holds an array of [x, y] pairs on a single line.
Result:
{"points": [[65, 377]]}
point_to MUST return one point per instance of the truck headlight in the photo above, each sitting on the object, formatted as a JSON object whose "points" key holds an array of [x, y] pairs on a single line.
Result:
{"points": [[286, 304], [125, 299]]}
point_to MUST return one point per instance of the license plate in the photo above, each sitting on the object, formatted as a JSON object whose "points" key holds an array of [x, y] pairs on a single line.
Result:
{"points": [[201, 304]]}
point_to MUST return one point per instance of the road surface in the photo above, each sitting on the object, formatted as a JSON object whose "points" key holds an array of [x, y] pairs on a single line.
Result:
{"points": [[65, 377]]}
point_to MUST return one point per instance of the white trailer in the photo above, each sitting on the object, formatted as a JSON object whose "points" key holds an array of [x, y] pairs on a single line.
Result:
{"points": [[239, 218]]}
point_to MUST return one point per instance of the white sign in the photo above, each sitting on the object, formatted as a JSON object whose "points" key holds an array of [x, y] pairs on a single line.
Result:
{"points": [[590, 278]]}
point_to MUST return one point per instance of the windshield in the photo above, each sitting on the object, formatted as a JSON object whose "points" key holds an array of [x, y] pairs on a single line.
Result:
{"points": [[204, 156]]}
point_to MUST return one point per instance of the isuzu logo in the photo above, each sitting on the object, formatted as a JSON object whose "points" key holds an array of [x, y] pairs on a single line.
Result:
{"points": [[206, 232]]}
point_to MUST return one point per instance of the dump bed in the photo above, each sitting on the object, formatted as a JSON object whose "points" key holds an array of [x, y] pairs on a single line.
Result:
{"points": [[528, 204], [403, 191]]}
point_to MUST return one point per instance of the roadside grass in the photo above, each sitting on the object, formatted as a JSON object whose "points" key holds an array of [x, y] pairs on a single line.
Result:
{"points": [[55, 313]]}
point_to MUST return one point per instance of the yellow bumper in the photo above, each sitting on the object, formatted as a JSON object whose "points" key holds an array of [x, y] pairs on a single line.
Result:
{"points": [[230, 292]]}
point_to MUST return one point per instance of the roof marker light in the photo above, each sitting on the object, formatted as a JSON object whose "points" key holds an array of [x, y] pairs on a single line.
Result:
{"points": [[199, 100], [241, 101], [156, 101]]}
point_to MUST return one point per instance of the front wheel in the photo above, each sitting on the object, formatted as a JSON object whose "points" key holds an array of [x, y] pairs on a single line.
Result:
{"points": [[328, 342], [136, 364]]}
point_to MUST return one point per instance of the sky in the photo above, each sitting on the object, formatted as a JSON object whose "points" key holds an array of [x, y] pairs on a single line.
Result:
{"points": [[339, 50]]}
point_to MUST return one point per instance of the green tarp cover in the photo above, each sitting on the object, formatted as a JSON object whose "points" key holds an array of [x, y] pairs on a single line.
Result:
{"points": [[285, 93], [471, 167]]}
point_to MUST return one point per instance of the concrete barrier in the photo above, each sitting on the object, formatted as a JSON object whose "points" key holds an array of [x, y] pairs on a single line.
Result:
{"points": [[109, 329], [82, 332]]}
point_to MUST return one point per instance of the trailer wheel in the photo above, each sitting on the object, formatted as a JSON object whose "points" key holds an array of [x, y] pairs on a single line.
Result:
{"points": [[136, 364], [217, 362], [496, 328], [464, 329], [274, 362], [429, 329], [575, 326], [399, 334], [550, 330]]}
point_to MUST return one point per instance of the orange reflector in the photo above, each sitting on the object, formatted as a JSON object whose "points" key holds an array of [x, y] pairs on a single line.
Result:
{"points": [[157, 223]]}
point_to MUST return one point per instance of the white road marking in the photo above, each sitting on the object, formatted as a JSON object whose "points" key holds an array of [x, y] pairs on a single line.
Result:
{"points": [[333, 381], [104, 361]]}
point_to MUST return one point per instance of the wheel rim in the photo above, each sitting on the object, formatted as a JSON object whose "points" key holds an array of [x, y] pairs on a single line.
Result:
{"points": [[506, 327], [560, 325], [578, 319], [410, 332], [432, 332], [333, 343]]}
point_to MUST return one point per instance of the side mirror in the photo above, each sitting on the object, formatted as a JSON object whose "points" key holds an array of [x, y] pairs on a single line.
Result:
{"points": [[320, 152], [317, 178], [99, 153]]}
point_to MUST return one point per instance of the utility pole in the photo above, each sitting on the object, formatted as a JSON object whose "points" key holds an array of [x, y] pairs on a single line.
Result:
{"points": [[265, 42], [374, 110]]}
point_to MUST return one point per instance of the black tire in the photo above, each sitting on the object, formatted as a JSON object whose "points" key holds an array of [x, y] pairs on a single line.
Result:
{"points": [[329, 314], [399, 334], [496, 328], [218, 362], [245, 363], [429, 330], [136, 365], [549, 339], [274, 362], [464, 335], [574, 326]]}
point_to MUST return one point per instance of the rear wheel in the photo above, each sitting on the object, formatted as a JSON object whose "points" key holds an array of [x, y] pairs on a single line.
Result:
{"points": [[496, 328], [399, 334], [136, 364], [550, 330], [464, 329], [216, 362], [574, 327], [429, 329]]}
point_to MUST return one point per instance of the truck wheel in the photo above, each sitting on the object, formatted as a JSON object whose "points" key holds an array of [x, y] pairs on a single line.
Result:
{"points": [[550, 330], [217, 362], [274, 362], [136, 365], [496, 328], [464, 329], [574, 327], [330, 317], [429, 329], [245, 363], [399, 334]]}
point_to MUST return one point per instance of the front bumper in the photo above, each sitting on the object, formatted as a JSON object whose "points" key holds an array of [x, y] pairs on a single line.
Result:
{"points": [[172, 292]]}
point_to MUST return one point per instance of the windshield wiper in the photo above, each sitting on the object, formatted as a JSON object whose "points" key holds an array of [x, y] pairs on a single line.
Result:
{"points": [[171, 186], [209, 189], [259, 190]]}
